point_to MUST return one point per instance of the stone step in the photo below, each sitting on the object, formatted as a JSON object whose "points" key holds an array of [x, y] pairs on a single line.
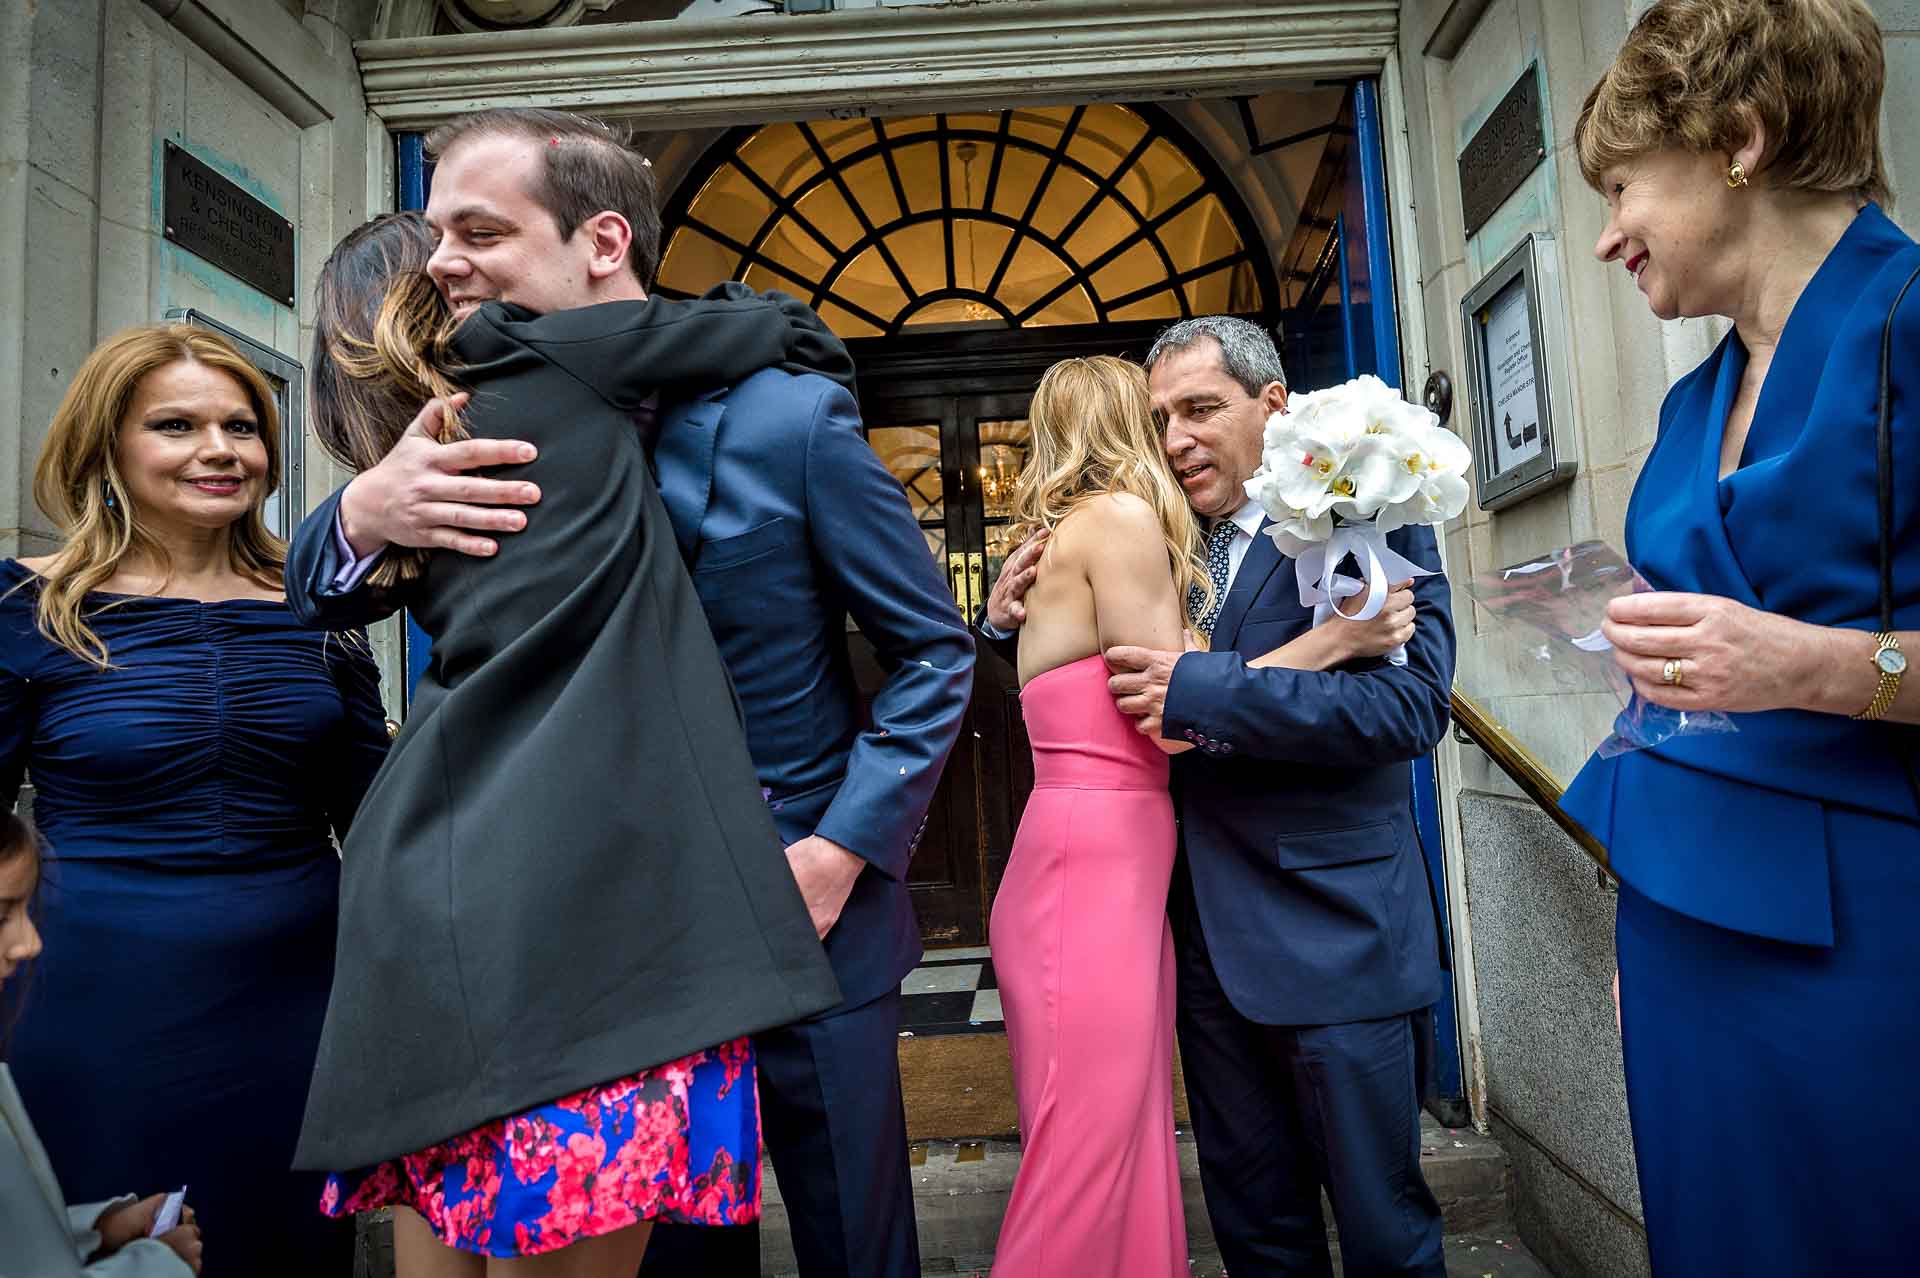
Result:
{"points": [[961, 1190], [1468, 1256]]}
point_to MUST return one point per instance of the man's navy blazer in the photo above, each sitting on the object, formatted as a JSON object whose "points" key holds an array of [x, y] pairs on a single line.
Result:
{"points": [[790, 524], [1296, 809]]}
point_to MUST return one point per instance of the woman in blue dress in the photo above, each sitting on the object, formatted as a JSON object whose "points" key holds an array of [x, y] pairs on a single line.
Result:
{"points": [[193, 751], [1770, 878]]}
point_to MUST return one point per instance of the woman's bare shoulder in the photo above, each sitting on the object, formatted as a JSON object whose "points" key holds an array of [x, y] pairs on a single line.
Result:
{"points": [[1112, 514], [1111, 529]]}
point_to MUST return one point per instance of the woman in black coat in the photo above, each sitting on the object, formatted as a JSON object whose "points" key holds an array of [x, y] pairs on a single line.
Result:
{"points": [[563, 905]]}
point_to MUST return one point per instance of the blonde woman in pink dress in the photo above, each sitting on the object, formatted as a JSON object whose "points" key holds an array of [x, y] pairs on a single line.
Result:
{"points": [[1080, 938]]}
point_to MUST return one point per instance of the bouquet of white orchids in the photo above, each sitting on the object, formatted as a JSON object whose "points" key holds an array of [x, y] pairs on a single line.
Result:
{"points": [[1339, 470]]}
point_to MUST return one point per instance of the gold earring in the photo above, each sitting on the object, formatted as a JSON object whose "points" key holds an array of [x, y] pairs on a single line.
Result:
{"points": [[1736, 175]]}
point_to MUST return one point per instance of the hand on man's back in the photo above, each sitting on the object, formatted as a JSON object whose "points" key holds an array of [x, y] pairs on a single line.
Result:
{"points": [[419, 494]]}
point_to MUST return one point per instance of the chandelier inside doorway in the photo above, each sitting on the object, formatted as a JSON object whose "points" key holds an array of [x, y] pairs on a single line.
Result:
{"points": [[1013, 219]]}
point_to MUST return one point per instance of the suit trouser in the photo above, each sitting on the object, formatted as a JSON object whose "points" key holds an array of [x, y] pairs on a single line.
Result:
{"points": [[832, 1120], [1280, 1111]]}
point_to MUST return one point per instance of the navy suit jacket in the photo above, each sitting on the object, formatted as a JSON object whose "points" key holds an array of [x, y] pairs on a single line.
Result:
{"points": [[1296, 809], [1760, 811], [790, 524]]}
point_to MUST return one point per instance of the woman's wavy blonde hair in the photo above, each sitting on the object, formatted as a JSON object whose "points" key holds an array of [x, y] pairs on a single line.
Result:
{"points": [[76, 474], [1093, 433], [382, 347]]}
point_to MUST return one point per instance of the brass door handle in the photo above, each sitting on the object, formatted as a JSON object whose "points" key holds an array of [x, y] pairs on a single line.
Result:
{"points": [[957, 579], [976, 581]]}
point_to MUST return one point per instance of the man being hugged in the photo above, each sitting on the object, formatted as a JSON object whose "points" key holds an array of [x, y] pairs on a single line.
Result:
{"points": [[1305, 930]]}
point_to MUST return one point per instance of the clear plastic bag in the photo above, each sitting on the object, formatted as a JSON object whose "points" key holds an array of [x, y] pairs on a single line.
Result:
{"points": [[1564, 596]]}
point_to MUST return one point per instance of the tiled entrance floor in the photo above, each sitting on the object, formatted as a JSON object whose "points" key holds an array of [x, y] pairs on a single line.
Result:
{"points": [[952, 992]]}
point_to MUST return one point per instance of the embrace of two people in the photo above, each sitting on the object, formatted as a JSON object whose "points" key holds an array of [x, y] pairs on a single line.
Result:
{"points": [[566, 873], [1273, 905], [571, 950]]}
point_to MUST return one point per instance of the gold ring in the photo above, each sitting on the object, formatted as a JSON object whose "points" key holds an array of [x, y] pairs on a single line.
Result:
{"points": [[1670, 673]]}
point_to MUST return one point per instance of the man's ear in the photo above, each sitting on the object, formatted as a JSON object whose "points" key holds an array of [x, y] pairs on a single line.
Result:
{"points": [[1274, 398], [609, 240]]}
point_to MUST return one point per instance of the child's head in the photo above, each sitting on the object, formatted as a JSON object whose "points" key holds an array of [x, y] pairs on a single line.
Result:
{"points": [[19, 877]]}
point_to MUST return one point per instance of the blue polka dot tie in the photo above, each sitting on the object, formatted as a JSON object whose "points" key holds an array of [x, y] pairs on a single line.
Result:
{"points": [[1219, 562]]}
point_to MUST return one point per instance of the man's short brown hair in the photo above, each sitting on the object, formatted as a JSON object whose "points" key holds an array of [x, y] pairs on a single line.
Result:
{"points": [[587, 167], [1694, 74]]}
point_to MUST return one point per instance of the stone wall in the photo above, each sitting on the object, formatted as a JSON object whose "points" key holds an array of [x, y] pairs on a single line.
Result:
{"points": [[94, 89], [1539, 1021], [1543, 962]]}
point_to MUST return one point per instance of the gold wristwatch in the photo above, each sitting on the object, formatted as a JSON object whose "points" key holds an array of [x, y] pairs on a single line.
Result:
{"points": [[1891, 663]]}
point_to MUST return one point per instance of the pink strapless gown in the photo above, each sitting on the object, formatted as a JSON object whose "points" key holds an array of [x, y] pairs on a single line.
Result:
{"points": [[1084, 957]]}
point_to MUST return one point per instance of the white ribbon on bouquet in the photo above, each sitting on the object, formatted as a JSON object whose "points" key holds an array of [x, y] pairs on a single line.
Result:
{"points": [[1315, 571]]}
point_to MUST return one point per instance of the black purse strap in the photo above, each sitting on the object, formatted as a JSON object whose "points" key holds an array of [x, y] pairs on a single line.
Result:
{"points": [[1883, 440]]}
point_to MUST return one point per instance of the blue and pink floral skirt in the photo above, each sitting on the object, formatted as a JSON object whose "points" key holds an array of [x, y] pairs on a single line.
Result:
{"points": [[679, 1142]]}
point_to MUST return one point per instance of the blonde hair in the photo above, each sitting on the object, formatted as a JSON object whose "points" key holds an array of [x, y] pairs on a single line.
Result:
{"points": [[1696, 74], [1093, 433], [382, 347], [76, 474]]}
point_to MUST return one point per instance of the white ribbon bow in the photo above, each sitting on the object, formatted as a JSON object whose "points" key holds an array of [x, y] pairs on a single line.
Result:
{"points": [[1315, 572]]}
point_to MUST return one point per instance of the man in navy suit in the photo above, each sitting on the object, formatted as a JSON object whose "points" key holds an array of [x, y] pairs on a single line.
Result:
{"points": [[789, 524], [1305, 928]]}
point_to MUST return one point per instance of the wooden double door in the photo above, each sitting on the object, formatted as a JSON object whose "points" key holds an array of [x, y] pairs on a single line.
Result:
{"points": [[947, 413], [958, 458]]}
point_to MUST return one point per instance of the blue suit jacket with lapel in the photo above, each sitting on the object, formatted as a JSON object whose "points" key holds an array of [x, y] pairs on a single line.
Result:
{"points": [[790, 524], [1735, 829], [1296, 812]]}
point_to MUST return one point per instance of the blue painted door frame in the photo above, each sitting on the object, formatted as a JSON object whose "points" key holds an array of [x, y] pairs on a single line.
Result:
{"points": [[1364, 337], [1375, 326], [413, 173]]}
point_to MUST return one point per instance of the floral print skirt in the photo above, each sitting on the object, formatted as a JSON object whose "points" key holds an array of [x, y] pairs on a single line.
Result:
{"points": [[679, 1142]]}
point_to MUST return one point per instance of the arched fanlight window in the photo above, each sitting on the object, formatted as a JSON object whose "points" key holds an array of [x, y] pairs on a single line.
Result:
{"points": [[1035, 216]]}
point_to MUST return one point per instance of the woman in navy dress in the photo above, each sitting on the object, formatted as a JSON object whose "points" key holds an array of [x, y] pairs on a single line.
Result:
{"points": [[192, 752], [1770, 878]]}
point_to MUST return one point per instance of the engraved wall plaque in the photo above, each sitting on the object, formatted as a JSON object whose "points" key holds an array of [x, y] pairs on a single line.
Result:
{"points": [[211, 217], [1506, 148]]}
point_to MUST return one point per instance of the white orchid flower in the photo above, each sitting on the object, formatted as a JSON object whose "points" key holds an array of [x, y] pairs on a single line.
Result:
{"points": [[1380, 471], [1296, 533], [1304, 465], [1448, 492], [1446, 451], [1439, 465]]}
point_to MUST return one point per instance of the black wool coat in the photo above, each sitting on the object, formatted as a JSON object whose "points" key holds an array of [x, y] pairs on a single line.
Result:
{"points": [[565, 872]]}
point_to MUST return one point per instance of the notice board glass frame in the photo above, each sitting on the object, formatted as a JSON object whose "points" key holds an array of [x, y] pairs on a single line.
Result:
{"points": [[1517, 369]]}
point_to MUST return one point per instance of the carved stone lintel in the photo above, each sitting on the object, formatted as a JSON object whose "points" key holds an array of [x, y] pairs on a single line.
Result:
{"points": [[690, 73]]}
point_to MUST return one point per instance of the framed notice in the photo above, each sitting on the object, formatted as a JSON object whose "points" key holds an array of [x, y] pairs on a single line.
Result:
{"points": [[1516, 364]]}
